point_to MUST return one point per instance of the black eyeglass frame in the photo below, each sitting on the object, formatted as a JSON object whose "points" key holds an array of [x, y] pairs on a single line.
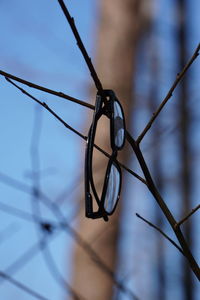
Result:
{"points": [[104, 106]]}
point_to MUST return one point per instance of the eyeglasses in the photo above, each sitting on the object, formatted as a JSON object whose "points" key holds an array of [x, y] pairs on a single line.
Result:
{"points": [[108, 105]]}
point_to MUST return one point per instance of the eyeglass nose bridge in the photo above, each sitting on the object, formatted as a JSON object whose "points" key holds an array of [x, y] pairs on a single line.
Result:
{"points": [[107, 109]]}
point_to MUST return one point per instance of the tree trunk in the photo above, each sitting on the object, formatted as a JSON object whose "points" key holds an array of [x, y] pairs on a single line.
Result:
{"points": [[157, 168], [185, 148], [119, 28]]}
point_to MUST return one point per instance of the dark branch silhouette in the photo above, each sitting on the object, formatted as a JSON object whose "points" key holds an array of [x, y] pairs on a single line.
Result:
{"points": [[159, 230], [169, 94], [47, 229], [46, 90], [22, 286], [163, 206], [66, 227], [188, 215], [35, 191], [81, 47], [72, 129], [149, 182]]}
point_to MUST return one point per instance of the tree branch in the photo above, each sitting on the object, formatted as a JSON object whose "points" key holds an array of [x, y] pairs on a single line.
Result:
{"points": [[94, 256], [169, 95], [67, 227], [46, 90], [159, 230], [163, 206], [22, 286], [81, 46], [149, 182], [187, 216], [47, 108], [72, 129]]}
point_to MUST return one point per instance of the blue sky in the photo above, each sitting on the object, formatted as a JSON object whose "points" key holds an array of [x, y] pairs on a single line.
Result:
{"points": [[38, 45]]}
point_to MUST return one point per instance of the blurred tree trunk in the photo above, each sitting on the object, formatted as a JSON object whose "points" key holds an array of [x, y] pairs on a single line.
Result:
{"points": [[185, 147], [156, 132], [119, 29]]}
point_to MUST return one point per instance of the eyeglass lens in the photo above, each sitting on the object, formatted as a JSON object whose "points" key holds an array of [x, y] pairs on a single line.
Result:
{"points": [[118, 125], [112, 189]]}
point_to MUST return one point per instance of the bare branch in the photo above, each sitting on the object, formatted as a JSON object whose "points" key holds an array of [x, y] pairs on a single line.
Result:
{"points": [[151, 186], [57, 275], [72, 129], [122, 165], [159, 230], [69, 229], [46, 90], [169, 94], [22, 260], [47, 228], [47, 108], [81, 46], [163, 206], [188, 215], [29, 255], [135, 145], [22, 286]]}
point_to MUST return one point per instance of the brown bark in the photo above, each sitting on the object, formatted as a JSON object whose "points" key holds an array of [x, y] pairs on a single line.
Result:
{"points": [[116, 46]]}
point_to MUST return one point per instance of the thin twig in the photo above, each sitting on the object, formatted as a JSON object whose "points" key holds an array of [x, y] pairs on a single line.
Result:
{"points": [[151, 186], [35, 164], [122, 165], [46, 90], [89, 250], [47, 108], [169, 94], [159, 230], [57, 275], [81, 46], [30, 253], [68, 229], [22, 260], [85, 245], [16, 212], [135, 145], [69, 190], [188, 215], [72, 129], [163, 206], [22, 286]]}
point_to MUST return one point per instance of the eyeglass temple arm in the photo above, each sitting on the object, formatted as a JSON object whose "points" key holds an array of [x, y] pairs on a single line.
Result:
{"points": [[89, 210]]}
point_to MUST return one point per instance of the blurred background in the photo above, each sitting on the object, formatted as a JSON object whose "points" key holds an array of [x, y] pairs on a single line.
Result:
{"points": [[48, 249]]}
